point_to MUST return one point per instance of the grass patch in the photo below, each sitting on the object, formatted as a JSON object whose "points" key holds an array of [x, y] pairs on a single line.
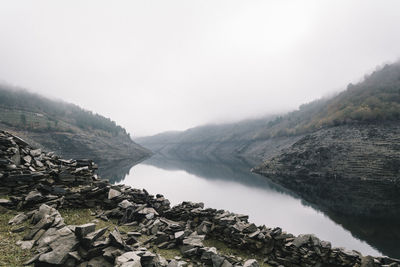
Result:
{"points": [[223, 249], [10, 253], [82, 216], [169, 254]]}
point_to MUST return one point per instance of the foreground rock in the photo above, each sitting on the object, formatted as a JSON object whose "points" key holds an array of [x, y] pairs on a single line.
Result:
{"points": [[40, 191]]}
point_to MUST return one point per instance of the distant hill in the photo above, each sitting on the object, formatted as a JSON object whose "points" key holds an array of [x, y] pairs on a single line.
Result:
{"points": [[65, 128], [374, 100]]}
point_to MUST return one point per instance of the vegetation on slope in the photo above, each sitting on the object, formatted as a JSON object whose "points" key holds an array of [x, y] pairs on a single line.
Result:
{"points": [[375, 99], [25, 110]]}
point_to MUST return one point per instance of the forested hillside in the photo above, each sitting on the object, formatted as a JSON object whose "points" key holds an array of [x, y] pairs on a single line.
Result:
{"points": [[376, 99], [63, 127]]}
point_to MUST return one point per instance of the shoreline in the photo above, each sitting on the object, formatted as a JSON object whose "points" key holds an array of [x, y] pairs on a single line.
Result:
{"points": [[73, 184]]}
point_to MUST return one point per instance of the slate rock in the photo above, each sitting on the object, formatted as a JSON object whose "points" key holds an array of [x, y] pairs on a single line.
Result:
{"points": [[34, 196], [18, 219], [251, 263], [113, 193], [90, 238], [116, 238], [99, 261], [26, 244], [217, 260], [35, 152], [5, 202], [60, 249], [301, 240], [82, 230], [128, 257]]}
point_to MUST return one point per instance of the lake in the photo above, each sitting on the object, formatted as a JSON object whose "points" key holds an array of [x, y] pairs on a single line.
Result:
{"points": [[231, 186]]}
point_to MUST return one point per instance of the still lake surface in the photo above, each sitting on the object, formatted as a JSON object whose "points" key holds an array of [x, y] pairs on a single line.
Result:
{"points": [[231, 186]]}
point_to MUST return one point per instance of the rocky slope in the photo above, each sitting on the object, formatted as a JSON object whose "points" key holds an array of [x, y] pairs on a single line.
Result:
{"points": [[353, 170], [65, 128], [38, 183]]}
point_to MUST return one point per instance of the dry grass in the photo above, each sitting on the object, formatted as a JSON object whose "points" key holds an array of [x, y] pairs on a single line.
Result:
{"points": [[10, 253], [222, 248]]}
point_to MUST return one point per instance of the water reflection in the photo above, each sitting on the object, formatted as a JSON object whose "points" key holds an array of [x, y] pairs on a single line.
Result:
{"points": [[230, 185]]}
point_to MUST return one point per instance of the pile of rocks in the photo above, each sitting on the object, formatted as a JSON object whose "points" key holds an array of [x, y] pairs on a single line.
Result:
{"points": [[58, 244], [45, 183], [21, 167]]}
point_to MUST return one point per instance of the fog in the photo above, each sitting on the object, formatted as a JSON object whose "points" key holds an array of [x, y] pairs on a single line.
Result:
{"points": [[154, 66]]}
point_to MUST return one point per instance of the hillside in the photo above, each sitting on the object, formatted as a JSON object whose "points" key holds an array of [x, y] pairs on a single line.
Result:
{"points": [[65, 128], [375, 99], [347, 169]]}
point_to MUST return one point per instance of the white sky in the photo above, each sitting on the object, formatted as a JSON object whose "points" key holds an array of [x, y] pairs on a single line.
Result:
{"points": [[162, 65]]}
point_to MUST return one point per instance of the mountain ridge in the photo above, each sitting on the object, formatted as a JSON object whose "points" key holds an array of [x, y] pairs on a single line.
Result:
{"points": [[65, 128]]}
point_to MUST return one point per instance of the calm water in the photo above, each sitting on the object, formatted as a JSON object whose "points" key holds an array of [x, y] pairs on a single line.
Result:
{"points": [[232, 187]]}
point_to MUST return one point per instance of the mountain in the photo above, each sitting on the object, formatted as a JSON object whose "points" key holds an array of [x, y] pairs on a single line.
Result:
{"points": [[65, 128], [375, 99], [340, 153]]}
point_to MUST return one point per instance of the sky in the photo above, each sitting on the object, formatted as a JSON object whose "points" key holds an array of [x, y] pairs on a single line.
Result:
{"points": [[154, 66]]}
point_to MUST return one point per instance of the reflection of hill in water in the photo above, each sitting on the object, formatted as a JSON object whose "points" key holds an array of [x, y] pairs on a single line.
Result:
{"points": [[384, 234], [232, 171], [115, 171]]}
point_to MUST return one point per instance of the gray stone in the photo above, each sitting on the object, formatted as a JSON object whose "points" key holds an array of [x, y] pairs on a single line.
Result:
{"points": [[125, 204], [194, 240], [82, 230], [5, 202], [43, 210], [53, 234], [18, 219], [113, 193], [60, 249], [44, 223], [36, 152], [89, 239], [116, 238], [301, 240], [128, 257], [217, 260], [146, 211], [179, 235], [251, 263], [34, 196], [27, 159], [112, 252], [26, 244], [99, 261], [134, 234], [226, 263], [367, 261], [174, 263], [207, 254]]}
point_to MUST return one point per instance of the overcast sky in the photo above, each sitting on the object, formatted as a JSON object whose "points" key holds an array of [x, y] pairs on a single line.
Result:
{"points": [[163, 65]]}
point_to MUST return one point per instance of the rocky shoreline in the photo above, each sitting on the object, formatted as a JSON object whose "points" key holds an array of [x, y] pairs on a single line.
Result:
{"points": [[38, 184], [349, 170]]}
